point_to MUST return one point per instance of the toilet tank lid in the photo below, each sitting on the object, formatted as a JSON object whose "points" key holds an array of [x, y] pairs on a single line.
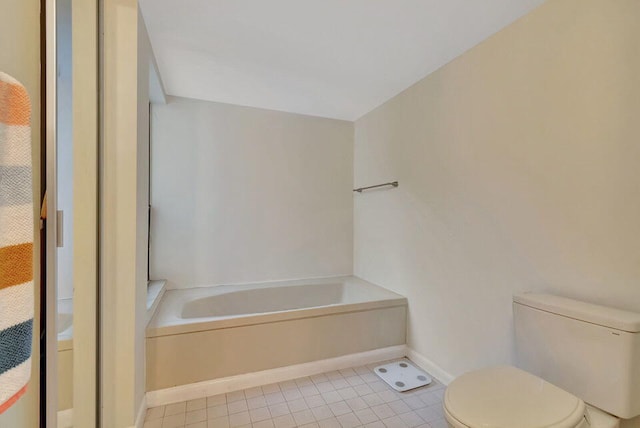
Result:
{"points": [[596, 314]]}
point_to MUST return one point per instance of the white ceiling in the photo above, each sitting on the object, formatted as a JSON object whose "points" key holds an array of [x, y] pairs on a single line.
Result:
{"points": [[330, 58]]}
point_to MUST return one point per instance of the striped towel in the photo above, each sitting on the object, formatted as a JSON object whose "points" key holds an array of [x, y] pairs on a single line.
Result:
{"points": [[16, 241]]}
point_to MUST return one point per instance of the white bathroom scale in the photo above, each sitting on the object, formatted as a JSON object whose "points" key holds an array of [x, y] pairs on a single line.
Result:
{"points": [[402, 375]]}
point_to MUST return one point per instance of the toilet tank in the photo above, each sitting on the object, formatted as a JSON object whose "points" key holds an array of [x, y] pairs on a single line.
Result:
{"points": [[589, 350]]}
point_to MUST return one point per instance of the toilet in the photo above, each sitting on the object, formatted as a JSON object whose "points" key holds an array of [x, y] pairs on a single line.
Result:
{"points": [[569, 353]]}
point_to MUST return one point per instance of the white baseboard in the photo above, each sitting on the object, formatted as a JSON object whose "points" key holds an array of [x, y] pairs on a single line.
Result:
{"points": [[234, 383], [142, 412], [65, 418], [430, 367]]}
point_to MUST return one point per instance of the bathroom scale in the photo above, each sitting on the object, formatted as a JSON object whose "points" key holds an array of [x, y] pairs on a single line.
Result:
{"points": [[402, 375]]}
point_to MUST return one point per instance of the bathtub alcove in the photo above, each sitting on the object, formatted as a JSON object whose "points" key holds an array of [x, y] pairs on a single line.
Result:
{"points": [[201, 334]]}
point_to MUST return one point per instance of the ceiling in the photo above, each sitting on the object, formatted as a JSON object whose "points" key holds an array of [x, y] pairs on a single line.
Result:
{"points": [[331, 58]]}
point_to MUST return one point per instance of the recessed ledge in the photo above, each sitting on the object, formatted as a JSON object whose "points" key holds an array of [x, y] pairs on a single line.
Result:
{"points": [[155, 291]]}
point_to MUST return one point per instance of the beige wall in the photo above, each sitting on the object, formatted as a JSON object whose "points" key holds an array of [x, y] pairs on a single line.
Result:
{"points": [[243, 194], [20, 57], [519, 169], [124, 217]]}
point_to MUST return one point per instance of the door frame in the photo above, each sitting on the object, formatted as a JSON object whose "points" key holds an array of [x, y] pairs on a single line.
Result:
{"points": [[86, 131]]}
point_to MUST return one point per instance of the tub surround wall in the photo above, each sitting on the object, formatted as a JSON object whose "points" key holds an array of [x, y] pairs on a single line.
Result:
{"points": [[243, 195], [518, 166]]}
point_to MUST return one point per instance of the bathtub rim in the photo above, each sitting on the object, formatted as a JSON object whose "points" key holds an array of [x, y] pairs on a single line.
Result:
{"points": [[164, 324]]}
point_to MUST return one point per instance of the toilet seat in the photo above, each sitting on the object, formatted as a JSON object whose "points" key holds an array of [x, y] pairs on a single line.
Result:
{"points": [[506, 397]]}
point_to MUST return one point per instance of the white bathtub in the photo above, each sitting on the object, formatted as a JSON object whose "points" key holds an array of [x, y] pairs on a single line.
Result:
{"points": [[206, 333]]}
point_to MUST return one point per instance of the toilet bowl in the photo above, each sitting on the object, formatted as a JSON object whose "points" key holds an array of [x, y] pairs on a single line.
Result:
{"points": [[577, 351], [507, 397]]}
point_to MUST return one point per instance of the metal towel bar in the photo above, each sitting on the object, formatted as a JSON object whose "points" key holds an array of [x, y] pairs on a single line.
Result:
{"points": [[360, 189]]}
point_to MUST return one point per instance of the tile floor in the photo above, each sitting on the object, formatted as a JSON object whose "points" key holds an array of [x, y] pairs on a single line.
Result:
{"points": [[347, 398]]}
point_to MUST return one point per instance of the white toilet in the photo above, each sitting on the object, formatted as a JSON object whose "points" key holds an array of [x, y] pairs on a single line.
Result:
{"points": [[573, 352]]}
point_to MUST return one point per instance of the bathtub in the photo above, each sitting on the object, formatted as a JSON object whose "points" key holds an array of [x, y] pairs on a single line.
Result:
{"points": [[201, 334]]}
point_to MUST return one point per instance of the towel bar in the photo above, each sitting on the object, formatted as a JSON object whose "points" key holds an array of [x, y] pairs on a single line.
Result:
{"points": [[360, 189]]}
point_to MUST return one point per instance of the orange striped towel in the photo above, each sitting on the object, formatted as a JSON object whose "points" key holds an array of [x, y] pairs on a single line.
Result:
{"points": [[16, 241]]}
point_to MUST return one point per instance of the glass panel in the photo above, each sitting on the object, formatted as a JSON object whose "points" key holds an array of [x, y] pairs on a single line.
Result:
{"points": [[64, 206]]}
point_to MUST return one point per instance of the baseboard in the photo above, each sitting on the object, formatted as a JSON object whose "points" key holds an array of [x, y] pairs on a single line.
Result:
{"points": [[65, 418], [430, 367], [234, 383], [142, 412]]}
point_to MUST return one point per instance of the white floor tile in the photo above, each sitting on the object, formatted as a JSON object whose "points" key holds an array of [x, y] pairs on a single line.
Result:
{"points": [[274, 398], [339, 383], [290, 384], [355, 380], [319, 378], [383, 411], [215, 400], [260, 414], [339, 399], [264, 424], [154, 413], [366, 416], [196, 416], [303, 381], [309, 390], [239, 419], [253, 392], [414, 402], [394, 422], [347, 393], [173, 421], [322, 412], [314, 401], [297, 405], [399, 407], [237, 406], [357, 404], [372, 400], [279, 409], [284, 421], [217, 411], [325, 387], [412, 419], [221, 422], [292, 394], [235, 396], [363, 389], [329, 423], [175, 409], [331, 396], [340, 408], [256, 402], [349, 420], [271, 388], [198, 404], [303, 417]]}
